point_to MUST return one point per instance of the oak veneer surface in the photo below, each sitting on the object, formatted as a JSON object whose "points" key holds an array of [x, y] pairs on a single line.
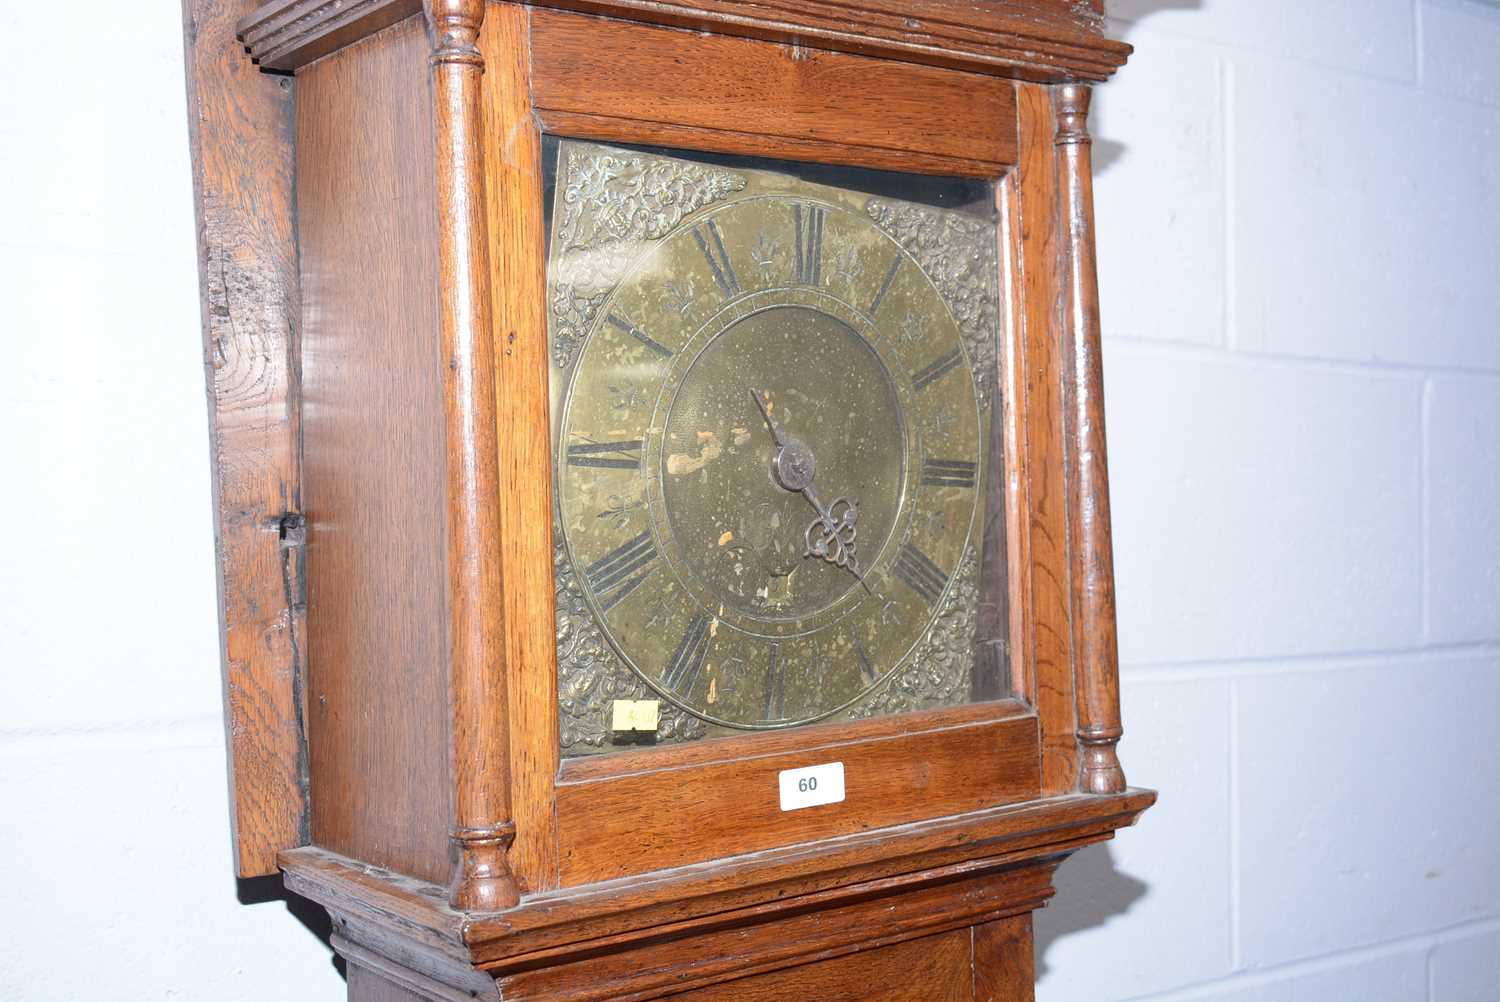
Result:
{"points": [[785, 936], [931, 969], [374, 457], [635, 823], [744, 96], [1036, 208], [517, 261], [240, 124], [1004, 960]]}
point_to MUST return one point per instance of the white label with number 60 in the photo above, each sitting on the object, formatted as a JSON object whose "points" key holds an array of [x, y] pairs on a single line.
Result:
{"points": [[812, 787]]}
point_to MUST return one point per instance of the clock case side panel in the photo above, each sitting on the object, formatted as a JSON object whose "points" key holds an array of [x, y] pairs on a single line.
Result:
{"points": [[373, 439], [240, 127]]}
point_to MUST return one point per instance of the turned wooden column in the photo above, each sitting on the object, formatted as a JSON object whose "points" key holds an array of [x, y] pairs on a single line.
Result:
{"points": [[1096, 655], [483, 830]]}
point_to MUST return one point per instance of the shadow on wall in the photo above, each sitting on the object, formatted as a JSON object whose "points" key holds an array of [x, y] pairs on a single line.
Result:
{"points": [[263, 890], [1108, 151], [1090, 892]]}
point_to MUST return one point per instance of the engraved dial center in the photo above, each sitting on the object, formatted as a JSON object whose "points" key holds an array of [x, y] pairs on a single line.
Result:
{"points": [[796, 393]]}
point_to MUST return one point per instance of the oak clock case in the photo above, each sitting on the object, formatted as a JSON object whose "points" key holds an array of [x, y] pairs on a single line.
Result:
{"points": [[622, 408], [773, 391]]}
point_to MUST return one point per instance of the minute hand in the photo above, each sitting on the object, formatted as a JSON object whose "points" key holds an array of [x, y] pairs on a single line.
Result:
{"points": [[777, 432]]}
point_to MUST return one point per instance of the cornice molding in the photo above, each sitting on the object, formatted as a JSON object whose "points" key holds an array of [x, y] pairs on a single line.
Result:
{"points": [[1046, 40], [288, 34]]}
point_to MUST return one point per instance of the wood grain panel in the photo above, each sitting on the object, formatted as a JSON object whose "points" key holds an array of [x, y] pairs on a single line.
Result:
{"points": [[930, 969], [373, 372], [1036, 210], [240, 127], [517, 277], [739, 87], [648, 821], [603, 128], [763, 743], [794, 936], [1014, 443], [1004, 960]]}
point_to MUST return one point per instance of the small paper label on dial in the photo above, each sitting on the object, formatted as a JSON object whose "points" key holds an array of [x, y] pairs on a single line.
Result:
{"points": [[636, 715], [813, 786]]}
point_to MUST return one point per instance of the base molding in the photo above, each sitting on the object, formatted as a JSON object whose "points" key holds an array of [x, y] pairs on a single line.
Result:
{"points": [[406, 976], [805, 911]]}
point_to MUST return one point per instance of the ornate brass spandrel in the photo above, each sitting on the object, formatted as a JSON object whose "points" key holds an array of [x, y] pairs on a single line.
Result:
{"points": [[937, 672], [610, 203], [591, 676], [961, 256]]}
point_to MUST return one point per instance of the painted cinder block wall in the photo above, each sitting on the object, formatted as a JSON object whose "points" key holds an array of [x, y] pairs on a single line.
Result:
{"points": [[1299, 216], [1299, 219]]}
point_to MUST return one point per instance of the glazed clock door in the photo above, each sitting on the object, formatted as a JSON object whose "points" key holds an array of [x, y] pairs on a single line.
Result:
{"points": [[773, 393]]}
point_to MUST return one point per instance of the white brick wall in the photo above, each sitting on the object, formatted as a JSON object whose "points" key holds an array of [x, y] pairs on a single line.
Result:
{"points": [[1305, 456], [1299, 209]]}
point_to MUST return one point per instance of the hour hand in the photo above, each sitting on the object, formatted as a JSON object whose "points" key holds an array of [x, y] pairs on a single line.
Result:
{"points": [[777, 432]]}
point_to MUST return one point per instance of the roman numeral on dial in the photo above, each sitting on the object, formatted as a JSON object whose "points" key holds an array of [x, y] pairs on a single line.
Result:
{"points": [[712, 245], [775, 687], [808, 261], [629, 328], [937, 370], [609, 577], [606, 455], [917, 571], [687, 662], [948, 473], [885, 285]]}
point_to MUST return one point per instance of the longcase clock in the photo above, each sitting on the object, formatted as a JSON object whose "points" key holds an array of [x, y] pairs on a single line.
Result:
{"points": [[663, 510]]}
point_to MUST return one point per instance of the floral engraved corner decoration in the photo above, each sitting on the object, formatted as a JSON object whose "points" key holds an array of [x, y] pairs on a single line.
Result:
{"points": [[591, 675], [959, 254], [937, 671], [611, 202]]}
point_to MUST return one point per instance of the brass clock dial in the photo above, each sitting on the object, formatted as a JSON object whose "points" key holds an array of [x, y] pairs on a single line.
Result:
{"points": [[769, 438]]}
